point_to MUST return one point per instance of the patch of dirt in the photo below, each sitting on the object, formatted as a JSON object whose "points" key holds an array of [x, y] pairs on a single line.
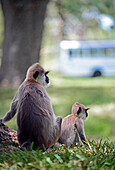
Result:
{"points": [[8, 138]]}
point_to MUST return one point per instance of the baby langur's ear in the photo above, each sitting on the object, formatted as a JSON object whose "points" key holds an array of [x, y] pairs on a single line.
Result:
{"points": [[46, 73], [35, 75], [86, 112], [87, 109], [79, 110]]}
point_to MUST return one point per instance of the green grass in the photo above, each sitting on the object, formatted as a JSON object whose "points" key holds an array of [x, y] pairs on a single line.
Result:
{"points": [[100, 155], [62, 81], [96, 93]]}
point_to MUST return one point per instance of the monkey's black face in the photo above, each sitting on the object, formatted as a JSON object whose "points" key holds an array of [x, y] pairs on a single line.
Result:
{"points": [[46, 77], [86, 112], [82, 113], [47, 82], [42, 78]]}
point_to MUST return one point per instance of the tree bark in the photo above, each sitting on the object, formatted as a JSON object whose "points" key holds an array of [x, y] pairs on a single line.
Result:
{"points": [[23, 28]]}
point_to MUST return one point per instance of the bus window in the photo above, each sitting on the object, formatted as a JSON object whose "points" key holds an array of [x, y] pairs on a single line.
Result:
{"points": [[100, 52], [110, 52], [70, 53], [93, 52], [97, 52], [85, 52], [74, 53]]}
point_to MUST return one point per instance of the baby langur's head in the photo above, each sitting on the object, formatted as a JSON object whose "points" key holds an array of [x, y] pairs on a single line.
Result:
{"points": [[37, 73], [80, 110]]}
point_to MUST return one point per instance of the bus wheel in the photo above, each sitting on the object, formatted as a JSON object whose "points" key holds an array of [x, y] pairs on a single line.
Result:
{"points": [[97, 74]]}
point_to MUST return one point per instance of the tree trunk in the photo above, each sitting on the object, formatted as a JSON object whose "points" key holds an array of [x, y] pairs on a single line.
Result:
{"points": [[23, 27]]}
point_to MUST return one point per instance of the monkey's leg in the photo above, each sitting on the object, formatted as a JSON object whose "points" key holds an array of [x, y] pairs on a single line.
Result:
{"points": [[77, 138], [70, 140], [57, 129], [58, 126], [59, 121], [36, 146]]}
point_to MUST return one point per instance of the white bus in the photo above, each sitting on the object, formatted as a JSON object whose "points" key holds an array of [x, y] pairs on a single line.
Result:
{"points": [[87, 58]]}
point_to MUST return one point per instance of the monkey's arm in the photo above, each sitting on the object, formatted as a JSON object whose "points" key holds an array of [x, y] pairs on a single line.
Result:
{"points": [[83, 138], [10, 114], [80, 129]]}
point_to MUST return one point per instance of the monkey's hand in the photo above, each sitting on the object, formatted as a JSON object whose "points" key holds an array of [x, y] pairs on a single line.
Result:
{"points": [[84, 141]]}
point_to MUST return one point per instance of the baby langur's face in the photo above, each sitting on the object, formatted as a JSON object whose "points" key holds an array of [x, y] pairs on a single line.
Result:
{"points": [[82, 113], [43, 79], [80, 110]]}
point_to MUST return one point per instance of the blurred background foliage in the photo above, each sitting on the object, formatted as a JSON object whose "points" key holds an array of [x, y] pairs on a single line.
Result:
{"points": [[1, 33], [73, 20], [78, 20]]}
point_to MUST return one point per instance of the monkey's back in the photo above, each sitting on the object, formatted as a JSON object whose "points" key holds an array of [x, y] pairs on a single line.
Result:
{"points": [[34, 114], [68, 130]]}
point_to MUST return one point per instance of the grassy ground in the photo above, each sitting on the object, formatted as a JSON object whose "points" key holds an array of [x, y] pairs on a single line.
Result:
{"points": [[96, 93], [99, 156]]}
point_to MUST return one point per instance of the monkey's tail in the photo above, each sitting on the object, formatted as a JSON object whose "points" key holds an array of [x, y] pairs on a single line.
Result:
{"points": [[26, 145]]}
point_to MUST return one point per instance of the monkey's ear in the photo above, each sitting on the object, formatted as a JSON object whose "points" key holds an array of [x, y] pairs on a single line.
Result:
{"points": [[35, 75], [46, 73], [87, 109], [79, 110]]}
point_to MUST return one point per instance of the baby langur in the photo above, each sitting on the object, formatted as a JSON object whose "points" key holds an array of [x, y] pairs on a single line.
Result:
{"points": [[72, 127], [36, 120]]}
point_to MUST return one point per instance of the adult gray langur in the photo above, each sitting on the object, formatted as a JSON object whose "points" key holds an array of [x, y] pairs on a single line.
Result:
{"points": [[36, 120]]}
